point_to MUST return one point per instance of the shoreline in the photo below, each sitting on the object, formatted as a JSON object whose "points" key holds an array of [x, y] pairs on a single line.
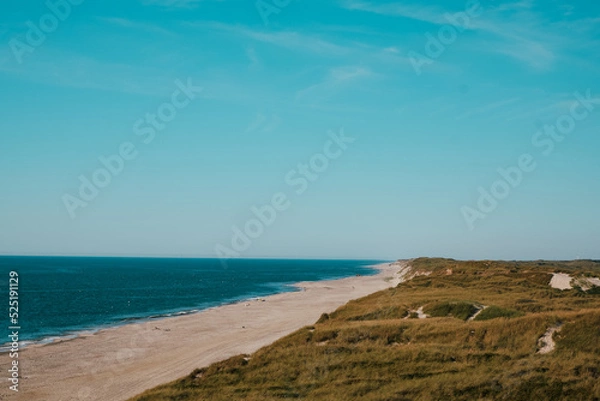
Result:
{"points": [[73, 334], [120, 362]]}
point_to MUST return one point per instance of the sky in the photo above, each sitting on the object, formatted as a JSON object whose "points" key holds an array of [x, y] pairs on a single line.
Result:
{"points": [[300, 129]]}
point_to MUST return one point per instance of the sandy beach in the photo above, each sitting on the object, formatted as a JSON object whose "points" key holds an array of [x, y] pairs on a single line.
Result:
{"points": [[116, 364]]}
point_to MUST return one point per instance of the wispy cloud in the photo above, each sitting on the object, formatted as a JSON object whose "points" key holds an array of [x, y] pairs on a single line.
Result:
{"points": [[5, 56], [515, 5], [136, 25], [511, 29], [255, 63], [534, 54], [544, 111], [262, 123], [286, 39], [417, 12], [296, 40], [487, 108], [76, 71], [175, 3], [309, 43], [336, 79]]}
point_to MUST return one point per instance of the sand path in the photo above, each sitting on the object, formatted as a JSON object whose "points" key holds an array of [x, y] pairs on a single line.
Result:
{"points": [[546, 343], [480, 309]]}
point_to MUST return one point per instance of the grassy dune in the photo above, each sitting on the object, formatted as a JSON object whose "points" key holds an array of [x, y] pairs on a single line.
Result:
{"points": [[375, 349]]}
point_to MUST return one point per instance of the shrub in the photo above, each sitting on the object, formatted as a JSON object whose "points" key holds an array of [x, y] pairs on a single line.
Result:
{"points": [[459, 310], [392, 312], [494, 312]]}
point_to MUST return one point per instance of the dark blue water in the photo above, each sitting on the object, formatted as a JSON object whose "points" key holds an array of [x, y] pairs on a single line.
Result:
{"points": [[59, 295]]}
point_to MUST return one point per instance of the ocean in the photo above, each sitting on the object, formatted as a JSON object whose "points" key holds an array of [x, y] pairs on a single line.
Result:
{"points": [[63, 296]]}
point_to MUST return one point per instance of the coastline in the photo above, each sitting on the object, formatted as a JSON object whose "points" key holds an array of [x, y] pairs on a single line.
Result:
{"points": [[87, 329], [119, 362]]}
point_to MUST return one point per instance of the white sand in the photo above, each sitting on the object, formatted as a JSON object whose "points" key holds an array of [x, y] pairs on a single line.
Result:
{"points": [[594, 281], [546, 343], [421, 314], [564, 281], [561, 281], [118, 363], [587, 283]]}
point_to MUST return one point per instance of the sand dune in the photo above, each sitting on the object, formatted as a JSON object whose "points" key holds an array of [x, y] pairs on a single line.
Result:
{"points": [[561, 281], [116, 364]]}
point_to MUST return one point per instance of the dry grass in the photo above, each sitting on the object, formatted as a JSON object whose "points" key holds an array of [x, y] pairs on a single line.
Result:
{"points": [[366, 350]]}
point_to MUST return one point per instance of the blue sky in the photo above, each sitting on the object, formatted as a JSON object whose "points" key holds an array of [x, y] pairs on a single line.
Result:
{"points": [[277, 81]]}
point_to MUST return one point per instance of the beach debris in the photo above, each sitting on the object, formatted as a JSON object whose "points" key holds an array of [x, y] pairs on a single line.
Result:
{"points": [[158, 328], [546, 343]]}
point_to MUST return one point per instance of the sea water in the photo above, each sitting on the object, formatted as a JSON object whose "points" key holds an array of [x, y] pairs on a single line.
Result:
{"points": [[62, 296]]}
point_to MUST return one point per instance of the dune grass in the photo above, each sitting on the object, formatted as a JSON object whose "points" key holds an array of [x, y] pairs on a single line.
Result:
{"points": [[494, 312], [369, 350], [458, 309]]}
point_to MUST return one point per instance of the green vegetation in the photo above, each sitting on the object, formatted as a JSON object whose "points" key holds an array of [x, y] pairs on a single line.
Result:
{"points": [[390, 312], [494, 312], [459, 310], [370, 350]]}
